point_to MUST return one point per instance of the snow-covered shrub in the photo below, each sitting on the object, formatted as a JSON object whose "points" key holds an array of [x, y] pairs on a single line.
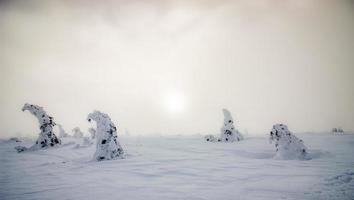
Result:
{"points": [[92, 132], [77, 133], [211, 138], [107, 144], [46, 138], [287, 145], [228, 131], [62, 132]]}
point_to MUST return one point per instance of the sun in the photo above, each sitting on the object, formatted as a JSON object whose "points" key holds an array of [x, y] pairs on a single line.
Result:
{"points": [[174, 102]]}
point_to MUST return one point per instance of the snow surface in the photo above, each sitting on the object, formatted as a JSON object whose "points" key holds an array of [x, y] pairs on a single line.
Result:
{"points": [[181, 167]]}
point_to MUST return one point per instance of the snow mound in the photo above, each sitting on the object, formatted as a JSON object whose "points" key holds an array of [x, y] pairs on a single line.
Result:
{"points": [[228, 131], [46, 138], [287, 145], [107, 144]]}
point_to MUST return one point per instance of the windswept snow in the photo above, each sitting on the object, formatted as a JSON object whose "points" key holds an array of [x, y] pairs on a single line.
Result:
{"points": [[181, 167]]}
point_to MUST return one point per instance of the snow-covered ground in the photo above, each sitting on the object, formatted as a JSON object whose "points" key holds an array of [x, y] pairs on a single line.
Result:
{"points": [[180, 167]]}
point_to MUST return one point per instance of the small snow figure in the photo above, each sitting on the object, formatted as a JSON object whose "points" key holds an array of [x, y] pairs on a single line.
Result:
{"points": [[62, 132], [46, 138], [77, 133], [210, 138], [228, 131], [107, 145], [338, 131], [287, 145], [92, 132]]}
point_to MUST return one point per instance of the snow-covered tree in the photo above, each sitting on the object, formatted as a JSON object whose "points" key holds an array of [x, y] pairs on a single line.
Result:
{"points": [[92, 132], [46, 138], [287, 145], [77, 133], [62, 132], [228, 131], [107, 144]]}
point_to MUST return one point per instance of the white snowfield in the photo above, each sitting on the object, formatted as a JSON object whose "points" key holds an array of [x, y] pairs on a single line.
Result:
{"points": [[180, 167]]}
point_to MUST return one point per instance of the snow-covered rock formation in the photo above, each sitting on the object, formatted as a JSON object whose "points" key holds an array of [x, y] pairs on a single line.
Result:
{"points": [[77, 133], [62, 132], [107, 144], [228, 131], [287, 145], [46, 138]]}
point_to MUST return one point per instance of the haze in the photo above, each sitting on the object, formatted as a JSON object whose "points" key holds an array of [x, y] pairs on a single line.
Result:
{"points": [[169, 67]]}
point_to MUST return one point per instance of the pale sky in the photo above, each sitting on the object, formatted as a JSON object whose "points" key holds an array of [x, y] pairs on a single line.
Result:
{"points": [[169, 67]]}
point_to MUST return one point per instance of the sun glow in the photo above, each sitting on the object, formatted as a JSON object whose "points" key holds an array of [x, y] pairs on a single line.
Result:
{"points": [[174, 102]]}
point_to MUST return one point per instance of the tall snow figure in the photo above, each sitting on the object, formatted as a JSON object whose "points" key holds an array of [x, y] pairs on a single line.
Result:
{"points": [[107, 145], [46, 138], [228, 131], [287, 145]]}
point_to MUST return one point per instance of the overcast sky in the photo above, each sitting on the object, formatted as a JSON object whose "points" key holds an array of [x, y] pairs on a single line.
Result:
{"points": [[169, 67]]}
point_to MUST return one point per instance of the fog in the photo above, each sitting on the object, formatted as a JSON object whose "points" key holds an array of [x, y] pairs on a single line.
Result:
{"points": [[169, 67]]}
